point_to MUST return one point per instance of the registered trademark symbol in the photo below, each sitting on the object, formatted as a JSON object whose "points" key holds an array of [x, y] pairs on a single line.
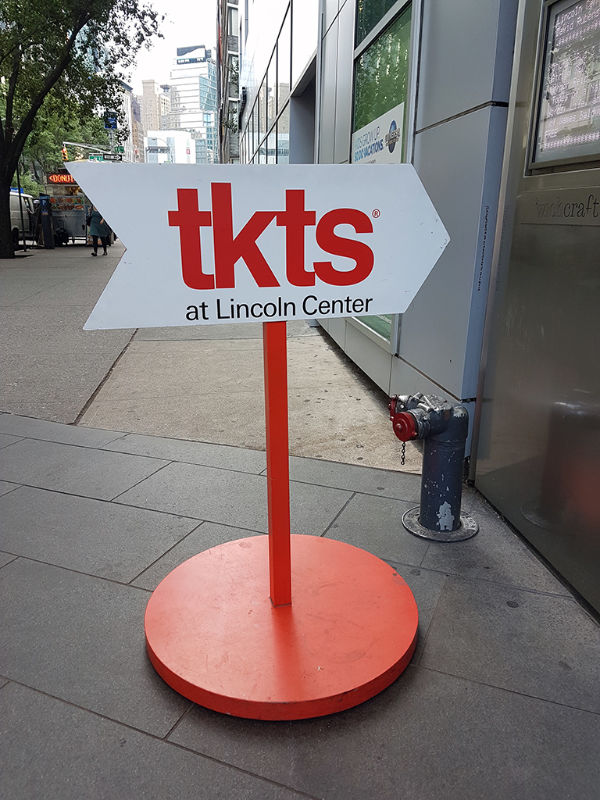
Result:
{"points": [[376, 213]]}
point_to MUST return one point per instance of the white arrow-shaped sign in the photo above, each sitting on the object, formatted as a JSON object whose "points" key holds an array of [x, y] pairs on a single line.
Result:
{"points": [[261, 243]]}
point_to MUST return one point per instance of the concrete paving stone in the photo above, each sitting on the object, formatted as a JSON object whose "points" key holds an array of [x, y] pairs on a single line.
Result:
{"points": [[20, 286], [375, 524], [209, 455], [51, 749], [426, 587], [82, 293], [5, 487], [238, 330], [76, 470], [315, 425], [53, 386], [6, 439], [27, 427], [92, 536], [207, 535], [6, 558], [64, 411], [56, 332], [495, 554], [233, 498], [200, 417], [380, 482], [81, 639], [184, 368], [542, 645], [429, 736]]}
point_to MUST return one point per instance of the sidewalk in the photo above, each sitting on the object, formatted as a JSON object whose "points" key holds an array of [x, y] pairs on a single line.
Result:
{"points": [[203, 383], [501, 699]]}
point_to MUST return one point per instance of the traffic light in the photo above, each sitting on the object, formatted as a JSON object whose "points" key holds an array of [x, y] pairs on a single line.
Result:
{"points": [[65, 155]]}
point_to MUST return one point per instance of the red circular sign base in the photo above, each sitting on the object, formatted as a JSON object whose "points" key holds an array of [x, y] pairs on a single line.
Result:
{"points": [[214, 636]]}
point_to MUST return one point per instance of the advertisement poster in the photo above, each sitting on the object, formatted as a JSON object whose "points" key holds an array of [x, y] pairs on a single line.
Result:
{"points": [[380, 142]]}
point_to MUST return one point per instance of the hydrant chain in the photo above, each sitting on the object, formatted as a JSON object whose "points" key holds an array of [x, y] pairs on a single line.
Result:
{"points": [[443, 429]]}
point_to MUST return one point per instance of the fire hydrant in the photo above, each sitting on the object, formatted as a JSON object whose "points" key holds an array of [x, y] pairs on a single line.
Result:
{"points": [[443, 428]]}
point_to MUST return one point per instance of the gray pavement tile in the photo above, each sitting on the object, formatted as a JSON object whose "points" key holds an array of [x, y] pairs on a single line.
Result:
{"points": [[76, 470], [5, 487], [375, 523], [54, 431], [542, 645], [92, 536], [51, 749], [428, 737], [426, 587], [209, 455], [495, 554], [81, 639], [6, 558], [381, 482], [6, 439], [232, 498], [207, 535]]}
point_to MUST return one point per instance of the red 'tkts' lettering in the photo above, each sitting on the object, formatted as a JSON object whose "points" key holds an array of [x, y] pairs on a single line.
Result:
{"points": [[295, 218]]}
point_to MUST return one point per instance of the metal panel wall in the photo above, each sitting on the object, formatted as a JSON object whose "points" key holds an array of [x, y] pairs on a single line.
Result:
{"points": [[459, 163], [464, 75], [539, 439]]}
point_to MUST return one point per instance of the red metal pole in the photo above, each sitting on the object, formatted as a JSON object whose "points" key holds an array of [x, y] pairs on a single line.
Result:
{"points": [[278, 468]]}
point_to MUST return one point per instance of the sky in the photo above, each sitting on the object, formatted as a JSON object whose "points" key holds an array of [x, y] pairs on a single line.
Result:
{"points": [[187, 22]]}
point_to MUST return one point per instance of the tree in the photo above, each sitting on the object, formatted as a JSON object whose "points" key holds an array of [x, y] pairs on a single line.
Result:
{"points": [[42, 152], [57, 53]]}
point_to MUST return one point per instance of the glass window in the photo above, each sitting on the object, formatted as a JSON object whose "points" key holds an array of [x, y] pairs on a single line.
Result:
{"points": [[368, 14], [284, 45], [283, 137], [262, 109], [381, 73], [380, 95], [262, 153], [569, 112], [272, 147], [272, 90], [254, 139]]}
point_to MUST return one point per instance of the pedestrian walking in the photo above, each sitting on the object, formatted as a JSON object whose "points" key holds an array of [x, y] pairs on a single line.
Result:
{"points": [[99, 229]]}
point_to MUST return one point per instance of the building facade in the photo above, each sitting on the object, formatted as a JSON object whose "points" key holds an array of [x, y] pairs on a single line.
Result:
{"points": [[156, 105], [169, 147], [228, 83], [193, 95], [445, 86]]}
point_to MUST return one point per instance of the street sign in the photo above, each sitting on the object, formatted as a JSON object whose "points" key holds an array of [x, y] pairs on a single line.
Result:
{"points": [[112, 157], [95, 157], [119, 149], [270, 244], [110, 120], [257, 243]]}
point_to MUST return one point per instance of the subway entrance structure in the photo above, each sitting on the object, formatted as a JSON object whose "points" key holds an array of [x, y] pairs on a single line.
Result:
{"points": [[282, 626]]}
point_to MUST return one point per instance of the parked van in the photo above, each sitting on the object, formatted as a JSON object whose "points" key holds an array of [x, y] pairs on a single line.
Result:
{"points": [[25, 203]]}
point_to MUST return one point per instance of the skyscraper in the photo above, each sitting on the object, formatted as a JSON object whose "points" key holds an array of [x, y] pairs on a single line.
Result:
{"points": [[193, 90], [155, 105]]}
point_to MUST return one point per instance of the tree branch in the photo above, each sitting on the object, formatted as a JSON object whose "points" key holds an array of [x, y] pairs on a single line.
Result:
{"points": [[51, 79]]}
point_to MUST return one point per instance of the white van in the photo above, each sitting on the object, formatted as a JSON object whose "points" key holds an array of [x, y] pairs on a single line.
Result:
{"points": [[28, 217]]}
